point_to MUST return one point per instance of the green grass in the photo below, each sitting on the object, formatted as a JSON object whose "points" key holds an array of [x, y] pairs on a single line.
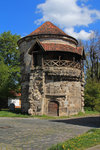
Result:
{"points": [[17, 113], [7, 113], [80, 114], [81, 142], [87, 113]]}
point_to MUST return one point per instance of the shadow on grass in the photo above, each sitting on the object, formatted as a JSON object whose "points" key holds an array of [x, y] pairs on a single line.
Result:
{"points": [[86, 121], [15, 113]]}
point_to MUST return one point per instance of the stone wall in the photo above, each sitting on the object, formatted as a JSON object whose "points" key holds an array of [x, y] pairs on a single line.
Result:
{"points": [[61, 41], [65, 89], [25, 61], [35, 93]]}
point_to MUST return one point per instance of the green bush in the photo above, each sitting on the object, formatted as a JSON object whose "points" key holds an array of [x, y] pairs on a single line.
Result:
{"points": [[92, 95]]}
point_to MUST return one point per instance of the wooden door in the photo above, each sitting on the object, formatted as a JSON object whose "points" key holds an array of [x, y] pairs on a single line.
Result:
{"points": [[53, 108]]}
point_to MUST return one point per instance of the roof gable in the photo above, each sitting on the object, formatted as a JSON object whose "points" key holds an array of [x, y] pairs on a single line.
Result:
{"points": [[35, 47]]}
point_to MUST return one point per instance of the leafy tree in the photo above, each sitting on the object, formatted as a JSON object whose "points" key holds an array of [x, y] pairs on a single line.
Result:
{"points": [[92, 67], [92, 95], [92, 48], [4, 77], [9, 64]]}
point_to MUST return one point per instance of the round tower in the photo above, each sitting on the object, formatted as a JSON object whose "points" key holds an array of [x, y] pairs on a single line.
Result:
{"points": [[52, 77]]}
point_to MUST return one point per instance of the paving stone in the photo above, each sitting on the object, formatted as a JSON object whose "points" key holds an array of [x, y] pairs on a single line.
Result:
{"points": [[36, 134]]}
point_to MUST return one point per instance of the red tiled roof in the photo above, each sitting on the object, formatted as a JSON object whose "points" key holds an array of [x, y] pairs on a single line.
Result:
{"points": [[80, 50], [61, 47], [15, 93], [57, 47], [48, 28]]}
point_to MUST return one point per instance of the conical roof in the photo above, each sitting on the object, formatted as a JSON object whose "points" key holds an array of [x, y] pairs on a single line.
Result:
{"points": [[48, 28]]}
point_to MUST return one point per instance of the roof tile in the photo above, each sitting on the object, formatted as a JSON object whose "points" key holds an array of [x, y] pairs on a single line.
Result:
{"points": [[48, 28], [61, 47]]}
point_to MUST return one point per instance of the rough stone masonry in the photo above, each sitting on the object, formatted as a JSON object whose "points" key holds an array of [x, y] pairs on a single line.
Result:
{"points": [[52, 75]]}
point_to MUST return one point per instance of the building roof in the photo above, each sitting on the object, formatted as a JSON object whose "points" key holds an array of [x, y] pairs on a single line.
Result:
{"points": [[56, 47], [13, 93], [48, 28], [61, 47]]}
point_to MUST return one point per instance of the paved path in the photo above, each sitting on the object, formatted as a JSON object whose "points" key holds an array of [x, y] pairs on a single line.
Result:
{"points": [[97, 147], [36, 134]]}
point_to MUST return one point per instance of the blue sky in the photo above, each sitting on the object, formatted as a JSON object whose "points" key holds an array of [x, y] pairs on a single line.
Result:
{"points": [[78, 18]]}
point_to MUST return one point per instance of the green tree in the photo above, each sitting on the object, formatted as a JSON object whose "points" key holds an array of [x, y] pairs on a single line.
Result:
{"points": [[92, 95], [92, 71], [92, 48], [4, 77], [9, 64]]}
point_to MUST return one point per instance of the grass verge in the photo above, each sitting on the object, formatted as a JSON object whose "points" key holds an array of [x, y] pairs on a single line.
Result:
{"points": [[81, 142], [17, 113]]}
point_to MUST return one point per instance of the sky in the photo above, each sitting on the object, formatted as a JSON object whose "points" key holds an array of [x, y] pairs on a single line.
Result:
{"points": [[78, 18]]}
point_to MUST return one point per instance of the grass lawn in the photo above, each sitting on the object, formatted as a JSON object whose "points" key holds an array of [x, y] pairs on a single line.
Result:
{"points": [[17, 113], [81, 142]]}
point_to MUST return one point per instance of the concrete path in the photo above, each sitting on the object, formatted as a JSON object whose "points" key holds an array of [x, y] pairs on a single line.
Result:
{"points": [[97, 147], [36, 134]]}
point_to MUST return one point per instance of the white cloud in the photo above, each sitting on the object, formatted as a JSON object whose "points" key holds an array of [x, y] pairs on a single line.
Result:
{"points": [[80, 35], [68, 14]]}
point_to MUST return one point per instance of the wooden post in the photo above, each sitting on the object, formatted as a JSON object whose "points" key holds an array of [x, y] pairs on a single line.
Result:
{"points": [[74, 59], [32, 62], [42, 62], [59, 60]]}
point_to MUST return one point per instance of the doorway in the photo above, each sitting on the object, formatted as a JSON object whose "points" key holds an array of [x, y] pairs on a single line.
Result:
{"points": [[53, 108]]}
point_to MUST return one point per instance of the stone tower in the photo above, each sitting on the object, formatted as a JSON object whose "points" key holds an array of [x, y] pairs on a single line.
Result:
{"points": [[52, 77]]}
